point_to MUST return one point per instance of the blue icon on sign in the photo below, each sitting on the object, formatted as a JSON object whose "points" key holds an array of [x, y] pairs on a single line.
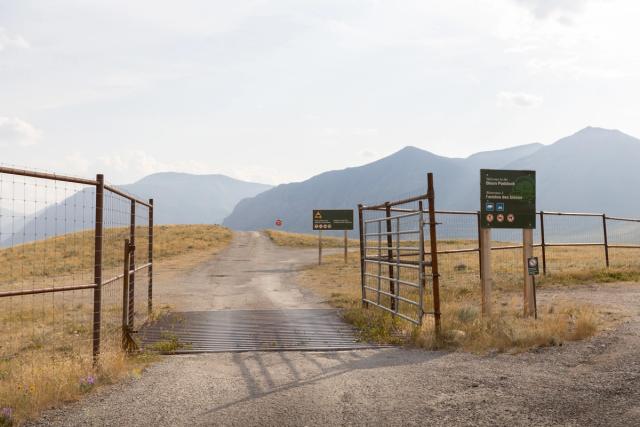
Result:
{"points": [[489, 207], [499, 207]]}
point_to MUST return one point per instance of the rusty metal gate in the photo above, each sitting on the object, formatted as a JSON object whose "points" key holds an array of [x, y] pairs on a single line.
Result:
{"points": [[395, 267]]}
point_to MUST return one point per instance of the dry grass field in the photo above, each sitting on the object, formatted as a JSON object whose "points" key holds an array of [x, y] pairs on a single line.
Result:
{"points": [[298, 240], [45, 340], [462, 323], [463, 326]]}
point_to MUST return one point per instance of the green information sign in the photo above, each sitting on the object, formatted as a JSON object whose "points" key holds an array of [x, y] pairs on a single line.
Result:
{"points": [[507, 199], [333, 219]]}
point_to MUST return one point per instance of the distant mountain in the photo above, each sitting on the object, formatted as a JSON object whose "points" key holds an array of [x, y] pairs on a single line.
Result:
{"points": [[182, 198], [179, 198], [403, 172], [592, 170]]}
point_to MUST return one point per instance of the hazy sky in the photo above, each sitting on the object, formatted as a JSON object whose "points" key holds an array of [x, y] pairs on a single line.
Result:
{"points": [[280, 90]]}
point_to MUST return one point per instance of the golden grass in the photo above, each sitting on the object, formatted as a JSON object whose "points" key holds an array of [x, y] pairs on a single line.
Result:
{"points": [[45, 340], [462, 325], [58, 258], [299, 240]]}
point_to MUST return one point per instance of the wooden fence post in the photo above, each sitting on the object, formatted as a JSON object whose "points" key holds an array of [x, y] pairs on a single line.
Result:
{"points": [[486, 276]]}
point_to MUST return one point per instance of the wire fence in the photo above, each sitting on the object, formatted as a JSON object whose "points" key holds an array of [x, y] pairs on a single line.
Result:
{"points": [[567, 244], [61, 268]]}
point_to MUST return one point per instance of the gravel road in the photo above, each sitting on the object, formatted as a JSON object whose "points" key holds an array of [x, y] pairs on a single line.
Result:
{"points": [[596, 382]]}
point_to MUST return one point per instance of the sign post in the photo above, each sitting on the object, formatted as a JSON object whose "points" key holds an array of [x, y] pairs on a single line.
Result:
{"points": [[508, 200], [332, 219], [533, 270]]}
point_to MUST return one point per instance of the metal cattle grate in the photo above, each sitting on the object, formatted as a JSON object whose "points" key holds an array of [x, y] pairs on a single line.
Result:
{"points": [[251, 330]]}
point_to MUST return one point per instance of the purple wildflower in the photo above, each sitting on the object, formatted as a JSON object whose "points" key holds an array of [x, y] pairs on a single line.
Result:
{"points": [[6, 413], [91, 380]]}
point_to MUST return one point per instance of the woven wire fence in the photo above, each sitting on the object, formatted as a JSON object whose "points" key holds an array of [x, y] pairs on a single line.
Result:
{"points": [[52, 312]]}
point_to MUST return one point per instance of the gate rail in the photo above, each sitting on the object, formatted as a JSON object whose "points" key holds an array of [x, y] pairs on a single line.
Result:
{"points": [[399, 259]]}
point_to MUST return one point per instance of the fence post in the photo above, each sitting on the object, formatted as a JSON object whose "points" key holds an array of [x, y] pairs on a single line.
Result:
{"points": [[392, 286], [132, 262], [434, 254], [150, 260], [606, 239], [543, 244], [527, 252], [125, 295], [362, 255], [486, 271], [423, 270], [97, 267]]}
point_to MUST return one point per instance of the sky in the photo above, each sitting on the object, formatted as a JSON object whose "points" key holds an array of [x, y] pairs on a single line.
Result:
{"points": [[277, 91]]}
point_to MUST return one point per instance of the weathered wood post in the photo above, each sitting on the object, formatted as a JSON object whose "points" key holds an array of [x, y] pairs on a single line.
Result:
{"points": [[486, 273]]}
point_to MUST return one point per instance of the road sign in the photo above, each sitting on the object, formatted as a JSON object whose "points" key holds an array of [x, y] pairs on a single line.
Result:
{"points": [[532, 266], [278, 222], [333, 219], [507, 198]]}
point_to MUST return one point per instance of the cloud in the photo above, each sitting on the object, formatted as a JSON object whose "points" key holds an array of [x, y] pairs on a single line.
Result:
{"points": [[8, 41], [14, 131], [518, 99], [543, 9]]}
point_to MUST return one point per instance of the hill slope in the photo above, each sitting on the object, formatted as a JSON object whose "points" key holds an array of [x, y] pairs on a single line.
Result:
{"points": [[592, 170], [183, 198], [179, 198]]}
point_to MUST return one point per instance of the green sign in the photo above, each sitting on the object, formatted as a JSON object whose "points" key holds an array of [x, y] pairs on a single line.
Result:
{"points": [[532, 266], [507, 199], [333, 219]]}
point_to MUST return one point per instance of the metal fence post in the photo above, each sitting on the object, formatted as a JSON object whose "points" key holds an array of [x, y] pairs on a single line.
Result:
{"points": [[543, 244], [132, 262], [606, 239], [97, 267], [150, 260], [479, 223], [422, 272], [125, 295], [434, 254], [362, 254], [392, 287]]}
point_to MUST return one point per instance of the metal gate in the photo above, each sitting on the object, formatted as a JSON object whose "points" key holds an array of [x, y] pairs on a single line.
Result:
{"points": [[393, 258]]}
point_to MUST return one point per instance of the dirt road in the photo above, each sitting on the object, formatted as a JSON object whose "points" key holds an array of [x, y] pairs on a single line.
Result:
{"points": [[590, 383]]}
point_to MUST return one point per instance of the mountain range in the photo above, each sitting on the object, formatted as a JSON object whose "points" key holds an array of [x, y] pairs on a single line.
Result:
{"points": [[179, 198], [593, 170]]}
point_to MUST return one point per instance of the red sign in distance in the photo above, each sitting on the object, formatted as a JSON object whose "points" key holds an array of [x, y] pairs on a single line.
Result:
{"points": [[278, 222]]}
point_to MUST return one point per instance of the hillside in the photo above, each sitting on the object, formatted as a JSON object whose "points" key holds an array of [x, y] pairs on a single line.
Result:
{"points": [[183, 198], [179, 198], [574, 173]]}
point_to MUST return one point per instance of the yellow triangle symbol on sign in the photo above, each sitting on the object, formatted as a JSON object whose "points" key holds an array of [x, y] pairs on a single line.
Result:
{"points": [[318, 215]]}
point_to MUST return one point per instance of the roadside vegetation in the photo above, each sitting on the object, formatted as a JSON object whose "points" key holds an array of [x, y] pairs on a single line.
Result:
{"points": [[45, 340], [463, 327], [299, 240]]}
